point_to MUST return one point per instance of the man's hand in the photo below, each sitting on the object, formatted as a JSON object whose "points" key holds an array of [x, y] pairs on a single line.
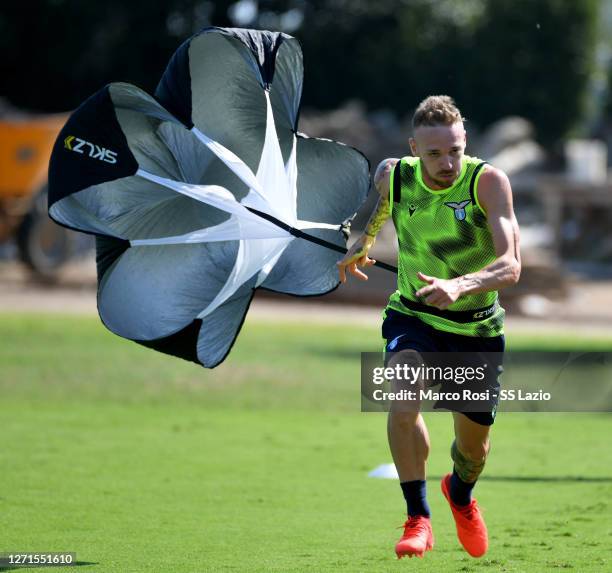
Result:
{"points": [[357, 256], [440, 293]]}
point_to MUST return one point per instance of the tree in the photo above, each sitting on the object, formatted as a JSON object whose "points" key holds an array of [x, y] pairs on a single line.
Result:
{"points": [[58, 52], [535, 58], [496, 57]]}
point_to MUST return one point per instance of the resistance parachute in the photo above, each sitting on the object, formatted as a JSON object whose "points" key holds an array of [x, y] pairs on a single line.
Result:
{"points": [[205, 192]]}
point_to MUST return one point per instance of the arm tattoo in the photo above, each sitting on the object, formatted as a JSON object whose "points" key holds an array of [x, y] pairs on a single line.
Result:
{"points": [[381, 213], [378, 218], [386, 165]]}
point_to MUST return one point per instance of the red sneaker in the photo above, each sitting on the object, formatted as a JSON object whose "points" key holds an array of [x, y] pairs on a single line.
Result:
{"points": [[471, 528], [417, 538]]}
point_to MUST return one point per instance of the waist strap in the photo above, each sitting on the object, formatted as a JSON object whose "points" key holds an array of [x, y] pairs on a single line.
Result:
{"points": [[473, 315]]}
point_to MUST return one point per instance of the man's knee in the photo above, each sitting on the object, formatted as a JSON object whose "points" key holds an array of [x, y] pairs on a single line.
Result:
{"points": [[469, 461], [474, 451], [408, 357], [407, 360], [403, 421]]}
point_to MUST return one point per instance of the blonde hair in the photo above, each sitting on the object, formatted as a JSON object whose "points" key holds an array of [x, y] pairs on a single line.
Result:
{"points": [[436, 110]]}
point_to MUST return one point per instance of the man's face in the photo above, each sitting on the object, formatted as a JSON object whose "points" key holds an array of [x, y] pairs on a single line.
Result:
{"points": [[440, 149]]}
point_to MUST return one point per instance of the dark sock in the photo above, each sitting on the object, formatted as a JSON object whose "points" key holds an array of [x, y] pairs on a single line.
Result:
{"points": [[415, 496], [460, 491]]}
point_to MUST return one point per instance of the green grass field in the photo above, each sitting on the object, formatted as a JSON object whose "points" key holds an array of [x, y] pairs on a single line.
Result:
{"points": [[143, 463]]}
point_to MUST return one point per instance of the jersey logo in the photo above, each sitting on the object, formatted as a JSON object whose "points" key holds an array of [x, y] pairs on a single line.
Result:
{"points": [[459, 209], [411, 209], [392, 345], [484, 313]]}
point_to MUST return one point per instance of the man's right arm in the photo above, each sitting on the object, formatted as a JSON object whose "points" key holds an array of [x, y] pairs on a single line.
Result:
{"points": [[357, 255]]}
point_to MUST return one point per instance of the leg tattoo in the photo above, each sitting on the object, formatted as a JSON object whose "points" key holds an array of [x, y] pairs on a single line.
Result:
{"points": [[468, 470]]}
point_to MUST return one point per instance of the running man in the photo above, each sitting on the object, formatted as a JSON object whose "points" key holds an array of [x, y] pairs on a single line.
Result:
{"points": [[458, 245]]}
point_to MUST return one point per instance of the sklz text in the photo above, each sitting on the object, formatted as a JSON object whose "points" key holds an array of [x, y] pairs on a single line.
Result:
{"points": [[79, 145]]}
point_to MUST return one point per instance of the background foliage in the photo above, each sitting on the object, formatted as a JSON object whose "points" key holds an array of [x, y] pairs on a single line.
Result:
{"points": [[496, 57]]}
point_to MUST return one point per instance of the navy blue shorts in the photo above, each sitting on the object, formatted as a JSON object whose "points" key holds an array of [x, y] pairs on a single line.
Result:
{"points": [[403, 332]]}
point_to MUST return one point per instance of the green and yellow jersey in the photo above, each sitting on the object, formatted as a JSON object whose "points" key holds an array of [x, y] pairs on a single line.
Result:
{"points": [[443, 233]]}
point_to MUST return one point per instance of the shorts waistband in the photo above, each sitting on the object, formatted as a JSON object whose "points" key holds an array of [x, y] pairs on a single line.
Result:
{"points": [[462, 316]]}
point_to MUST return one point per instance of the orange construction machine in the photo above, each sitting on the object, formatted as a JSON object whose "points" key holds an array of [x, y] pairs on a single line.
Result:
{"points": [[25, 147]]}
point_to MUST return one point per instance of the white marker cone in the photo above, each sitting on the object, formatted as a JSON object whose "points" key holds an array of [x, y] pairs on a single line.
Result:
{"points": [[384, 471]]}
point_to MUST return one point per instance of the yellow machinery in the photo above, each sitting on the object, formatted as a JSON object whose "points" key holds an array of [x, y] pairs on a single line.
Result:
{"points": [[25, 147]]}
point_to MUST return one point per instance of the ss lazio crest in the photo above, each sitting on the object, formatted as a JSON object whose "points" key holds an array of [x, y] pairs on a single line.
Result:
{"points": [[459, 209]]}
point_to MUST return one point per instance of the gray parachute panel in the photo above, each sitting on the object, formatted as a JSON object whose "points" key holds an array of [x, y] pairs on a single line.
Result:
{"points": [[219, 330], [146, 295], [331, 187], [171, 181]]}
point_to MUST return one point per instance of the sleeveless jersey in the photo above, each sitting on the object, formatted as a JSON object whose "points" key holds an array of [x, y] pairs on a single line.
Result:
{"points": [[444, 234]]}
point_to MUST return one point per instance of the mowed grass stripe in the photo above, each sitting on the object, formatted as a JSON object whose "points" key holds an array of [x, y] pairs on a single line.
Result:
{"points": [[141, 462]]}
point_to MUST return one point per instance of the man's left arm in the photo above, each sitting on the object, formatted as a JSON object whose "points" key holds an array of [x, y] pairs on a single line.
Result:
{"points": [[495, 197]]}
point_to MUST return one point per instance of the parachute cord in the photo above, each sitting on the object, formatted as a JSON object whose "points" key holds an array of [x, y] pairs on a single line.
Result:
{"points": [[316, 240]]}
